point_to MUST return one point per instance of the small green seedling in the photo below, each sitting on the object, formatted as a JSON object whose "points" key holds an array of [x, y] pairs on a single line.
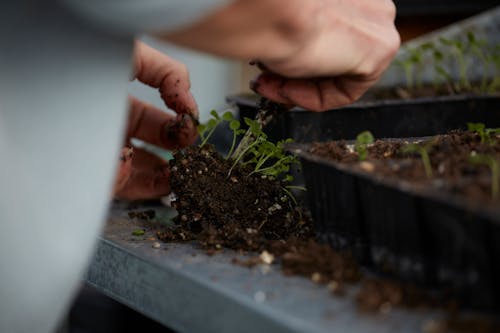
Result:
{"points": [[459, 48], [266, 158], [462, 52], [138, 232], [262, 152], [486, 134], [494, 165], [234, 125], [424, 155], [361, 146], [206, 130]]}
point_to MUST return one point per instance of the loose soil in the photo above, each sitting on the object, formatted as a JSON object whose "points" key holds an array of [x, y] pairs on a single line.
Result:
{"points": [[449, 155]]}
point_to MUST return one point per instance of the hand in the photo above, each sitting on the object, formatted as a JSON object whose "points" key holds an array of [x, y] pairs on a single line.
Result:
{"points": [[344, 56], [318, 54], [142, 175]]}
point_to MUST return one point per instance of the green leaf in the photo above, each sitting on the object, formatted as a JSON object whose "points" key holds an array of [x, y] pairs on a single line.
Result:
{"points": [[427, 46], [228, 116], [411, 148], [201, 128], [471, 37], [476, 127], [438, 55], [138, 232], [365, 137], [212, 123], [446, 41], [215, 114], [234, 125]]}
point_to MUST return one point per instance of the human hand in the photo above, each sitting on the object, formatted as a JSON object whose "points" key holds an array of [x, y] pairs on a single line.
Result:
{"points": [[351, 46], [318, 54], [142, 175]]}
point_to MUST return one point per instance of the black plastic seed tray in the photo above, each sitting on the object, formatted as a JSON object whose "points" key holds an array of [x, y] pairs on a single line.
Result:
{"points": [[391, 118], [421, 235], [428, 7]]}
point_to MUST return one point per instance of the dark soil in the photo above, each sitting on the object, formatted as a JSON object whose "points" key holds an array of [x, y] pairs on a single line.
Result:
{"points": [[449, 154], [219, 207], [223, 207]]}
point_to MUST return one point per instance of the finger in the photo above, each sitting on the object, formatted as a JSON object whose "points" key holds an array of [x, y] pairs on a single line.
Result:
{"points": [[143, 159], [154, 126], [149, 178], [169, 76], [314, 95], [124, 169], [269, 85]]}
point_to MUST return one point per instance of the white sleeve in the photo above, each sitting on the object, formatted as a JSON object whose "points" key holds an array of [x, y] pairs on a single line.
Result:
{"points": [[137, 16]]}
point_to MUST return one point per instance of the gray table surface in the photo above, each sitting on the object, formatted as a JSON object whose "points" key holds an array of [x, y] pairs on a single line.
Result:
{"points": [[182, 287]]}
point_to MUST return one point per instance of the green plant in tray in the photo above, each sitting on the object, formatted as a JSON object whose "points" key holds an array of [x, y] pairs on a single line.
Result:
{"points": [[486, 134], [458, 49], [361, 145], [462, 52], [423, 151], [494, 166]]}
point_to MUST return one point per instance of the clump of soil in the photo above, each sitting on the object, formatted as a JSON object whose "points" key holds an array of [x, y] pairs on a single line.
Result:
{"points": [[224, 206], [449, 155]]}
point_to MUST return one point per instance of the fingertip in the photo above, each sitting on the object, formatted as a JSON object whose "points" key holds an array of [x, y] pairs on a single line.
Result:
{"points": [[180, 132], [124, 169], [270, 86]]}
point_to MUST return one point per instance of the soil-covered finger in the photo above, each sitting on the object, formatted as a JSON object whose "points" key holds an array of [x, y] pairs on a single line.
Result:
{"points": [[154, 126], [124, 169], [146, 184], [168, 75]]}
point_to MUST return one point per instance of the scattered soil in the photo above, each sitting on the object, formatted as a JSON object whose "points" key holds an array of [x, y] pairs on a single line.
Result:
{"points": [[449, 154]]}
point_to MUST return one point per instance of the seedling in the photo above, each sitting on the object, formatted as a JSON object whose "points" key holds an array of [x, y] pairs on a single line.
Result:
{"points": [[458, 48], [486, 134], [262, 151], [234, 125], [206, 130], [462, 51], [138, 232], [267, 158], [494, 165], [424, 155], [361, 146]]}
